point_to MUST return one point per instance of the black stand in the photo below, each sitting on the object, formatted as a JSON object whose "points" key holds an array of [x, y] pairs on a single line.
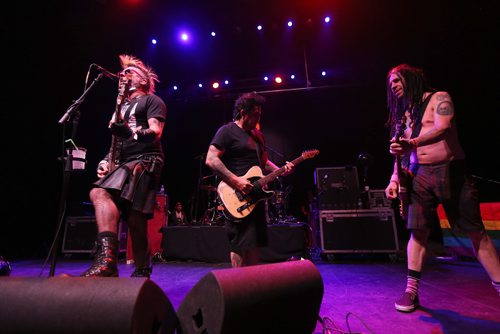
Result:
{"points": [[74, 114], [195, 206]]}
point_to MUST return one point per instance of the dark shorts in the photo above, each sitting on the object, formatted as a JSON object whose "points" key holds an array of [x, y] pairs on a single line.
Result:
{"points": [[250, 232], [135, 183], [449, 184]]}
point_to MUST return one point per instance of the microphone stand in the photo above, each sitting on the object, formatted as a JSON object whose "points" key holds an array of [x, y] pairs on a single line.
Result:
{"points": [[74, 114]]}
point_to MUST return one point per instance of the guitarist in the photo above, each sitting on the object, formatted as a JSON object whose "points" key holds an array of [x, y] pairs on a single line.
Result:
{"points": [[439, 174], [129, 188], [235, 148]]}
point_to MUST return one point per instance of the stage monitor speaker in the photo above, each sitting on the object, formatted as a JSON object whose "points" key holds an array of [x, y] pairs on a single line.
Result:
{"points": [[80, 234], [84, 305], [270, 298]]}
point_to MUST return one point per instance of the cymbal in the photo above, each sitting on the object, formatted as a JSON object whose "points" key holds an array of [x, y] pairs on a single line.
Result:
{"points": [[208, 187]]}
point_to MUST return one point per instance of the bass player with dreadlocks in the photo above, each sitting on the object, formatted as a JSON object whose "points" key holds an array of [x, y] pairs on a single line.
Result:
{"points": [[430, 165], [129, 175]]}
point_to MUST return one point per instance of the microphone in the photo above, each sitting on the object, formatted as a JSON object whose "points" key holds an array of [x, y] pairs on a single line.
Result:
{"points": [[106, 72]]}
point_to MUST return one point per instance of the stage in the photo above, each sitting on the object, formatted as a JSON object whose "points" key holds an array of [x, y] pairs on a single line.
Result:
{"points": [[456, 296]]}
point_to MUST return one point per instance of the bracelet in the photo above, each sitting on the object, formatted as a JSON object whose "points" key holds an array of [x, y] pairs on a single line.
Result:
{"points": [[413, 142]]}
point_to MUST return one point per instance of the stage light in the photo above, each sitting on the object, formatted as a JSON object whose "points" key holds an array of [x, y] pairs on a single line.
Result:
{"points": [[259, 27], [327, 19], [215, 85], [175, 87], [184, 36], [154, 41], [226, 82], [323, 73], [290, 23], [200, 85], [213, 34], [266, 78], [292, 76], [278, 80]]}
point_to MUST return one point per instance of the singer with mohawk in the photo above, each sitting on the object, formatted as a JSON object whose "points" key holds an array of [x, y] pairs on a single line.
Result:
{"points": [[129, 174]]}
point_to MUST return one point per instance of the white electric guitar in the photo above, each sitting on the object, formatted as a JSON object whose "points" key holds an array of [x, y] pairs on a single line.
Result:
{"points": [[239, 206]]}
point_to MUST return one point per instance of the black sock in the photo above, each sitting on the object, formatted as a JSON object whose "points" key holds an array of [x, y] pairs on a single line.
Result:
{"points": [[415, 274]]}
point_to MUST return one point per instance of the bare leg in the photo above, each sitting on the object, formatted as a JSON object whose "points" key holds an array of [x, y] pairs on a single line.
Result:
{"points": [[485, 251], [106, 211], [417, 249]]}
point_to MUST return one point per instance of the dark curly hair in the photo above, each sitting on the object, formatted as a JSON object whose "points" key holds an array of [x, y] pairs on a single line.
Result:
{"points": [[246, 102]]}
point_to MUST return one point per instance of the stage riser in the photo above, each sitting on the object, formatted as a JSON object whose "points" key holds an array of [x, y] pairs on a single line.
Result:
{"points": [[210, 243]]}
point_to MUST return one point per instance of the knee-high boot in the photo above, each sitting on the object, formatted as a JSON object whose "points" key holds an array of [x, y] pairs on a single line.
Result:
{"points": [[105, 262]]}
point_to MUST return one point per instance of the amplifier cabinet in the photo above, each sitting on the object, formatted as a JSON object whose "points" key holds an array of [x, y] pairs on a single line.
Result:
{"points": [[338, 188], [358, 231], [80, 233]]}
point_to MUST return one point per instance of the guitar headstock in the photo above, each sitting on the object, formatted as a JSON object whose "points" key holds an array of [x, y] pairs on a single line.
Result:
{"points": [[310, 154]]}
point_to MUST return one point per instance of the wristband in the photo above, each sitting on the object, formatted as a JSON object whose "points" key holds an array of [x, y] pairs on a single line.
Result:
{"points": [[413, 142], [145, 135], [121, 129]]}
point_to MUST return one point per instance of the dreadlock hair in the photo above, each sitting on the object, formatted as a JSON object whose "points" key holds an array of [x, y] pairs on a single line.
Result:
{"points": [[246, 102], [415, 85], [150, 75]]}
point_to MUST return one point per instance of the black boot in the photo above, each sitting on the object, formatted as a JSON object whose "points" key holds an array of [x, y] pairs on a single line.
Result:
{"points": [[105, 262], [142, 272]]}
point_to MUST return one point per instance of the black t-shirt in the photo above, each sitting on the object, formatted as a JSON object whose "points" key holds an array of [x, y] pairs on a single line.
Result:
{"points": [[139, 110], [240, 148]]}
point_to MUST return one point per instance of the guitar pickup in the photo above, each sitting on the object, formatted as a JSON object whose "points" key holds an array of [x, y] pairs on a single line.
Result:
{"points": [[244, 206], [239, 195]]}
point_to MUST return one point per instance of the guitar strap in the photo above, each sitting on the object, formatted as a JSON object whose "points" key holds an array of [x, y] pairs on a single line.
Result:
{"points": [[419, 113], [260, 144]]}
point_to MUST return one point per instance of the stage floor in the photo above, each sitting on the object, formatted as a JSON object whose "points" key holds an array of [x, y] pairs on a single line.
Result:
{"points": [[457, 296]]}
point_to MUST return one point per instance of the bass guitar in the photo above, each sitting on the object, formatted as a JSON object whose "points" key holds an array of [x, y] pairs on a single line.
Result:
{"points": [[404, 175], [123, 93], [237, 205]]}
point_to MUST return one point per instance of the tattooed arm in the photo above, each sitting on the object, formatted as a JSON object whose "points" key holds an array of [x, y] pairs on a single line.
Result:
{"points": [[217, 166], [443, 113]]}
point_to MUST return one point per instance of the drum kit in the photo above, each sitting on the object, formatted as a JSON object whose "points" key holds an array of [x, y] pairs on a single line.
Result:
{"points": [[213, 215]]}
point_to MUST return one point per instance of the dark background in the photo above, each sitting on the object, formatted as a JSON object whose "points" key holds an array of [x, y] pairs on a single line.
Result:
{"points": [[48, 48]]}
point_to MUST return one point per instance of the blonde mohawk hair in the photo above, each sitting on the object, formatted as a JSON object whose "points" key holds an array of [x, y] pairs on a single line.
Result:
{"points": [[151, 76]]}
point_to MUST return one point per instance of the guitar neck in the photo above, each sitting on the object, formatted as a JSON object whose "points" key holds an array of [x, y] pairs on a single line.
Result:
{"points": [[271, 176], [398, 165]]}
